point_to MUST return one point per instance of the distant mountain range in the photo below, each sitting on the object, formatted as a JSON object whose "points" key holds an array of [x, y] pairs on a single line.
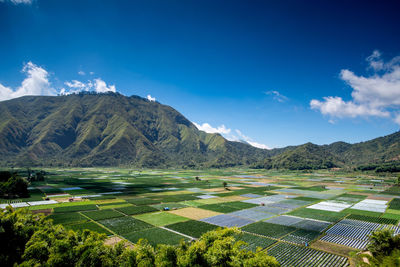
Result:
{"points": [[114, 130]]}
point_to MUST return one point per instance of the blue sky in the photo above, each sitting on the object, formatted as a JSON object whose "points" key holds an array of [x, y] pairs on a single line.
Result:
{"points": [[273, 73]]}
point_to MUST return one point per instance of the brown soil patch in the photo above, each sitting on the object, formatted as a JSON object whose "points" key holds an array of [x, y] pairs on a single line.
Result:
{"points": [[218, 189], [194, 213], [254, 185], [332, 248], [234, 187], [45, 211], [379, 198], [233, 198], [112, 241]]}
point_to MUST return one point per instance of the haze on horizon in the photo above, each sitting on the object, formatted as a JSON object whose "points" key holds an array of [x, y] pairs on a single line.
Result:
{"points": [[270, 73]]}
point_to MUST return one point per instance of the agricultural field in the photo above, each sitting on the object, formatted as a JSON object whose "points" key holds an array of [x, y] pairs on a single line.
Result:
{"points": [[281, 212]]}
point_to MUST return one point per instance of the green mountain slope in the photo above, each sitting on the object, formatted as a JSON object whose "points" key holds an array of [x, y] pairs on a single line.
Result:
{"points": [[307, 156], [109, 130]]}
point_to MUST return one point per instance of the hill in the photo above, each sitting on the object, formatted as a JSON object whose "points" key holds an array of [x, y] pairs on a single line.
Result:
{"points": [[109, 130], [89, 129]]}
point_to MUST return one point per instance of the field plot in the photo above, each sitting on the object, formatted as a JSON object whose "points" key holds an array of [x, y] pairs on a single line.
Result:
{"points": [[133, 210], [192, 228], [371, 205], [268, 199], [194, 213], [292, 255], [75, 208], [268, 229], [330, 206], [155, 236], [301, 236], [67, 218], [251, 214], [88, 225], [124, 225], [284, 220], [102, 214], [329, 216], [226, 220], [254, 241], [160, 218]]}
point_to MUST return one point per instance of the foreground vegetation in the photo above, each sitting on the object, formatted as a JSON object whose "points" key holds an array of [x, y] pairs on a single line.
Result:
{"points": [[33, 240]]}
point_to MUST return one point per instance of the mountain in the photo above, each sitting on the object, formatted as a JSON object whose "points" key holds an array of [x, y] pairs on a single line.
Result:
{"points": [[89, 129], [109, 130], [307, 156], [382, 152]]}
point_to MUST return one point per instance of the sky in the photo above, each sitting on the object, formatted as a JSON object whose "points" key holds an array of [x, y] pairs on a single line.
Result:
{"points": [[271, 73]]}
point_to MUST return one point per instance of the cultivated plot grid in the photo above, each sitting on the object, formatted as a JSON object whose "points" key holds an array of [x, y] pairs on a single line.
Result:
{"points": [[225, 220], [292, 255], [251, 214]]}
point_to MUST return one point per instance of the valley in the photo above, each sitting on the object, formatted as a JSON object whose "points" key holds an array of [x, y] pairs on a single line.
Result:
{"points": [[315, 218]]}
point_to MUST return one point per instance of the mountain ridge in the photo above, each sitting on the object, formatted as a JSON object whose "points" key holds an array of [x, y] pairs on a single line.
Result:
{"points": [[110, 129]]}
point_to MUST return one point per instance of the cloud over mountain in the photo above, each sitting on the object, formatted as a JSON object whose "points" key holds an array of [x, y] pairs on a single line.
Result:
{"points": [[376, 95]]}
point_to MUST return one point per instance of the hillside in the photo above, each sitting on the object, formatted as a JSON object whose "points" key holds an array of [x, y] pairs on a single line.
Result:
{"points": [[109, 130]]}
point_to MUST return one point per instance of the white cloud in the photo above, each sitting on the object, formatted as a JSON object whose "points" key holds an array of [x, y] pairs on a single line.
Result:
{"points": [[97, 85], [209, 129], [376, 95], [228, 134], [248, 140], [17, 2], [150, 98], [91, 73], [277, 96], [397, 119], [101, 86], [82, 73], [35, 83], [76, 84]]}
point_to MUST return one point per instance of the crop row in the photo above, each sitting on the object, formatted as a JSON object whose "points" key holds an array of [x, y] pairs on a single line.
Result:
{"points": [[345, 241], [349, 231], [372, 219], [301, 236], [292, 255]]}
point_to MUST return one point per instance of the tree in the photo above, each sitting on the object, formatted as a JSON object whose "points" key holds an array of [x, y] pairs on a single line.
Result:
{"points": [[33, 240], [224, 184]]}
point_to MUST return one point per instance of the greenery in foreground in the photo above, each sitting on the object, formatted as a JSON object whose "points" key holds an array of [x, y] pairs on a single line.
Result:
{"points": [[384, 247], [12, 185], [33, 240]]}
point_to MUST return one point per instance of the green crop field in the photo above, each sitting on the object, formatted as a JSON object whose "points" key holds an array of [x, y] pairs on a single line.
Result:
{"points": [[269, 206]]}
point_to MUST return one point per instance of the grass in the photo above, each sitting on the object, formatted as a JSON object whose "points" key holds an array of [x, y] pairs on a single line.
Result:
{"points": [[67, 218], [268, 229], [133, 210], [89, 226], [161, 218], [192, 228], [125, 224], [102, 214], [75, 208], [155, 236]]}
